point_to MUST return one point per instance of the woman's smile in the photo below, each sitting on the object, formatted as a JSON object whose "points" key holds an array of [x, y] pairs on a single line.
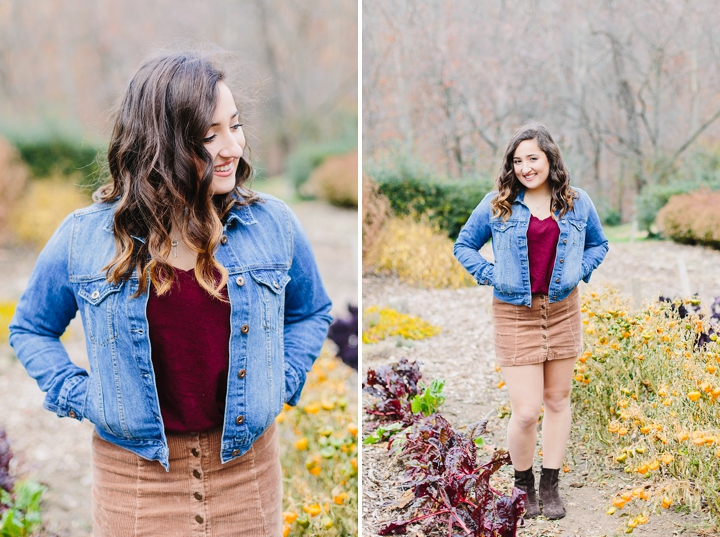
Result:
{"points": [[226, 169]]}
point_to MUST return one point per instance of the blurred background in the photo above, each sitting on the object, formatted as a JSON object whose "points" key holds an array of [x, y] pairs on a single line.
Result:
{"points": [[293, 67], [629, 91]]}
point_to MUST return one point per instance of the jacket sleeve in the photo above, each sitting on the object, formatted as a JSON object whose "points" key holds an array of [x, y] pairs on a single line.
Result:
{"points": [[307, 314], [43, 313], [473, 236], [596, 244]]}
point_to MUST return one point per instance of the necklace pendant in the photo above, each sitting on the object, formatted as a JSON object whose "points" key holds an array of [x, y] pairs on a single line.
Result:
{"points": [[174, 246]]}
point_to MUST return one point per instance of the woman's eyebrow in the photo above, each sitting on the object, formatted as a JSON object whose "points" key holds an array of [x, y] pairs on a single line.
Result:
{"points": [[218, 124]]}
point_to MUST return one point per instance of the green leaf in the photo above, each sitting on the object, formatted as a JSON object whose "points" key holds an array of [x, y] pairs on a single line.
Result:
{"points": [[479, 441], [429, 402], [382, 434]]}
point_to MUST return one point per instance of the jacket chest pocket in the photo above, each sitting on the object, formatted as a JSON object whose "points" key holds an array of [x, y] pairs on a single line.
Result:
{"points": [[100, 301], [577, 232], [271, 292], [503, 235]]}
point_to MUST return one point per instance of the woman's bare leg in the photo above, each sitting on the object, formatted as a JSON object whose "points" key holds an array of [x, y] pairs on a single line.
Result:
{"points": [[556, 421], [525, 386]]}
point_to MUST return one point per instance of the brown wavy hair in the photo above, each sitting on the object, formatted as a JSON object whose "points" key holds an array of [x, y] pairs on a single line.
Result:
{"points": [[509, 186], [162, 174]]}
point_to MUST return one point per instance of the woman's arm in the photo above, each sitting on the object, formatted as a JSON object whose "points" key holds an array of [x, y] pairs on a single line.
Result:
{"points": [[473, 236], [45, 309], [596, 244], [307, 314]]}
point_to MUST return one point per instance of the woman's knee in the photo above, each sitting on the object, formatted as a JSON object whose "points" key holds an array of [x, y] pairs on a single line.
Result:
{"points": [[526, 418], [556, 400]]}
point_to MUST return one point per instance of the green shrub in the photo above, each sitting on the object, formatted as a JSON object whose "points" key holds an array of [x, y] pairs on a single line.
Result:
{"points": [[447, 203], [654, 197], [692, 218], [62, 156]]}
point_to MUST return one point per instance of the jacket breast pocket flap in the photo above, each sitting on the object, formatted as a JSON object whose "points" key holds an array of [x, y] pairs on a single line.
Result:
{"points": [[274, 280], [100, 299], [503, 234]]}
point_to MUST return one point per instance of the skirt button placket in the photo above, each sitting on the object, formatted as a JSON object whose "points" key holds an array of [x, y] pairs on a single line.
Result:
{"points": [[197, 488]]}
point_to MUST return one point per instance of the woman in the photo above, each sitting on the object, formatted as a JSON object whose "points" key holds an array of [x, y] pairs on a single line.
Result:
{"points": [[546, 237], [203, 310]]}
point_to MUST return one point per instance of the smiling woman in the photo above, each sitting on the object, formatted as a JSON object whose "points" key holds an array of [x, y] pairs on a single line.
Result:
{"points": [[546, 237], [179, 257]]}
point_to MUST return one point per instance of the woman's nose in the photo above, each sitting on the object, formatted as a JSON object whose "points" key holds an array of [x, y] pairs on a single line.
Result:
{"points": [[232, 148]]}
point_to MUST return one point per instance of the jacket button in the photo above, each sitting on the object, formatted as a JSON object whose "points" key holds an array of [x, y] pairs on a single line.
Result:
{"points": [[240, 281], [95, 294], [276, 285], [235, 452], [240, 420], [245, 328], [199, 519], [563, 221], [241, 374], [554, 298], [564, 241], [195, 452], [223, 239], [197, 474], [72, 414], [198, 496], [557, 280], [562, 261]]}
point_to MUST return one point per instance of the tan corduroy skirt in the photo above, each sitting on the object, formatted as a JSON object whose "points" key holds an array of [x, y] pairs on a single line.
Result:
{"points": [[545, 331], [199, 496]]}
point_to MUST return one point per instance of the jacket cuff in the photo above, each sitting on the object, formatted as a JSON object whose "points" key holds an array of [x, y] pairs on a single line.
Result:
{"points": [[293, 385], [71, 401], [487, 277]]}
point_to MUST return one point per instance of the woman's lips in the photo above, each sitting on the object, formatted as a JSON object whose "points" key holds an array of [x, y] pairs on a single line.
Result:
{"points": [[225, 170]]}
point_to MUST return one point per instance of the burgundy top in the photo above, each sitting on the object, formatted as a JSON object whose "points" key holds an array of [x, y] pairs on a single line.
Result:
{"points": [[542, 239], [190, 335]]}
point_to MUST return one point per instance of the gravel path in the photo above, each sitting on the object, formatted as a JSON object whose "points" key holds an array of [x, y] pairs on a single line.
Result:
{"points": [[463, 355], [57, 452]]}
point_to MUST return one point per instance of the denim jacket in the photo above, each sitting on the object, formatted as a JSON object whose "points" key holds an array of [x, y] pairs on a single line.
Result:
{"points": [[581, 248], [279, 320]]}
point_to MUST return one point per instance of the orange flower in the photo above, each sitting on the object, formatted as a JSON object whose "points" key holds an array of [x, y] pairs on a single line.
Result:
{"points": [[312, 408], [340, 498], [694, 396], [289, 517], [352, 429], [301, 444]]}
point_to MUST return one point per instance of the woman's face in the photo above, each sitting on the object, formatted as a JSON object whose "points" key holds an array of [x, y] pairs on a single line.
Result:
{"points": [[225, 141], [531, 165]]}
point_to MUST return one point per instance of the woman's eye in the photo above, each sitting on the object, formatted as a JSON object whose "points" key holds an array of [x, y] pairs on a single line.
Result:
{"points": [[236, 126], [209, 139]]}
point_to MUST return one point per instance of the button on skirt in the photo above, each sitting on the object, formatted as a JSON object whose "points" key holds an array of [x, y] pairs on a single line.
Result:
{"points": [[545, 331], [199, 496]]}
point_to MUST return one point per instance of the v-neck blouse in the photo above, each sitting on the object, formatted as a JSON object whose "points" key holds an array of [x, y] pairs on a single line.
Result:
{"points": [[542, 239]]}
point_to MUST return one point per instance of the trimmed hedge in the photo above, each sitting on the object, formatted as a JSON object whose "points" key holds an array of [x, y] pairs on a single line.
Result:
{"points": [[692, 218], [447, 203]]}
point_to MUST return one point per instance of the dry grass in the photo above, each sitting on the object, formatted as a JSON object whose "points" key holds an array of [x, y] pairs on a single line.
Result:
{"points": [[420, 255], [375, 212], [42, 208], [13, 176]]}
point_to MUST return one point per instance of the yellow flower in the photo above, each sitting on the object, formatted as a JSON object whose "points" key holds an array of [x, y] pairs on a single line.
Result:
{"points": [[694, 396], [312, 510], [352, 429], [666, 502], [312, 408], [327, 522], [666, 458], [286, 530], [501, 384], [328, 405], [340, 498], [301, 444]]}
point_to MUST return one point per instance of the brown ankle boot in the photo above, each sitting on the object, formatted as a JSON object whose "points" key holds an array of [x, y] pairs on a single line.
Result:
{"points": [[525, 481], [553, 507]]}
